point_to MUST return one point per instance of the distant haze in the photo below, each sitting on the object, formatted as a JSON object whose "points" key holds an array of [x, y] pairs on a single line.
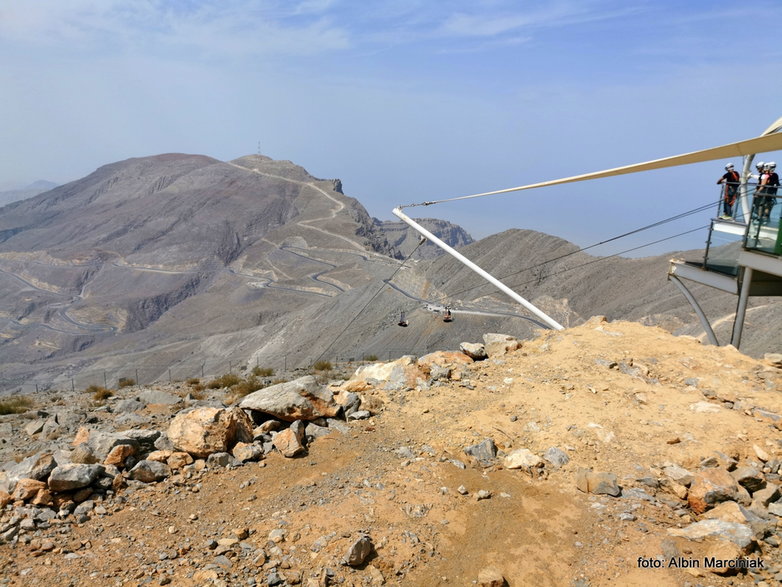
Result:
{"points": [[404, 100]]}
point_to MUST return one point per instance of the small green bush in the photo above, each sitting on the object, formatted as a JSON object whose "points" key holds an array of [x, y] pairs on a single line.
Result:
{"points": [[193, 381], [15, 405], [126, 382], [227, 380], [322, 366], [263, 371], [370, 358]]}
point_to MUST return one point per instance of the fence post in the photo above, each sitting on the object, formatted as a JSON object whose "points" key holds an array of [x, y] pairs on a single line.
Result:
{"points": [[73, 386], [169, 375], [230, 367], [202, 370], [105, 381], [137, 380]]}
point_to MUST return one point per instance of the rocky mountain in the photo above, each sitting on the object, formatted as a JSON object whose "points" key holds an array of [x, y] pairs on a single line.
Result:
{"points": [[35, 188], [177, 252], [166, 267], [405, 240]]}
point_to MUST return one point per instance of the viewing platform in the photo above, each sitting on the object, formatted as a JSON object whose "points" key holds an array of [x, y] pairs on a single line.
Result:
{"points": [[743, 255]]}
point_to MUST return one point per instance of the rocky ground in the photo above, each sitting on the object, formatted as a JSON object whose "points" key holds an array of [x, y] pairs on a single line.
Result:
{"points": [[610, 453]]}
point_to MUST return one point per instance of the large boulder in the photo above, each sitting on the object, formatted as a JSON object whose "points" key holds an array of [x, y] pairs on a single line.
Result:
{"points": [[497, 345], [203, 431], [102, 443], [397, 375], [37, 466], [301, 399], [474, 350], [444, 363]]}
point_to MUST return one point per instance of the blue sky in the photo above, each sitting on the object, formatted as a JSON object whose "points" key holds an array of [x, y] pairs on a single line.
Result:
{"points": [[404, 100]]}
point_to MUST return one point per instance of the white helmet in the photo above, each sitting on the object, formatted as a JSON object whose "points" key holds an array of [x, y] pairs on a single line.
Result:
{"points": [[771, 164], [760, 164], [729, 166]]}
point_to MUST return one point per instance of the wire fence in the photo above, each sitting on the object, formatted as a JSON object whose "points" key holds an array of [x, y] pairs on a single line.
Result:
{"points": [[282, 367]]}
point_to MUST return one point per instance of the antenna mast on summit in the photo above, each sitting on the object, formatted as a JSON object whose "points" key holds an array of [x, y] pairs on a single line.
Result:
{"points": [[259, 147]]}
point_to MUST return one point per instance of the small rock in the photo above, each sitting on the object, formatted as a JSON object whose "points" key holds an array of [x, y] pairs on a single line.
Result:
{"points": [[710, 487], [767, 495], [556, 456], [597, 482], [483, 452], [244, 452], [288, 443], [149, 471], [221, 459], [705, 408], [679, 474], [491, 577], [522, 458], [749, 478], [359, 551], [760, 453]]}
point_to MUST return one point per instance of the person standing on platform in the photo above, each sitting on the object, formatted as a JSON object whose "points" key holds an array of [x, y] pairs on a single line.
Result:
{"points": [[731, 179], [768, 186]]}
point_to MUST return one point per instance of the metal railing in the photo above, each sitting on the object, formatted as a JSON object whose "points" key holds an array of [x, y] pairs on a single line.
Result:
{"points": [[764, 229]]}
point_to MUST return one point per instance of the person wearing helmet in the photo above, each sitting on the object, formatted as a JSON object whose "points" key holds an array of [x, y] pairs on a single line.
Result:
{"points": [[760, 167], [758, 175], [768, 190], [731, 179]]}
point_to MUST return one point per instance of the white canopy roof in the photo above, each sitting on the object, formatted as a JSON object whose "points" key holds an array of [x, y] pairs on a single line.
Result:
{"points": [[770, 140]]}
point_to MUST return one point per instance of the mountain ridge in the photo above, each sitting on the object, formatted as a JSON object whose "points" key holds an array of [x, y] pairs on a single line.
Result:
{"points": [[183, 262]]}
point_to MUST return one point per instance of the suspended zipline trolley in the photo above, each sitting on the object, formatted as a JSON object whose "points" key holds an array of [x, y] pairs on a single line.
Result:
{"points": [[757, 268]]}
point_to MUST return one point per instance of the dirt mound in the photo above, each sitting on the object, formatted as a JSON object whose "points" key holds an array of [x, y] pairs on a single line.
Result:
{"points": [[632, 403]]}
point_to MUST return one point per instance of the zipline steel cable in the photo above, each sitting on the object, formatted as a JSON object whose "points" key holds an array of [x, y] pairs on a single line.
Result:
{"points": [[771, 140], [603, 242], [364, 307]]}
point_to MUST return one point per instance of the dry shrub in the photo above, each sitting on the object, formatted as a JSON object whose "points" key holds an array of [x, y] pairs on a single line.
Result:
{"points": [[16, 405], [101, 393], [227, 380], [322, 366]]}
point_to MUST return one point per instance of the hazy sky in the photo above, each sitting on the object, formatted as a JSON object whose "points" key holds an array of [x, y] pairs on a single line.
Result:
{"points": [[404, 100]]}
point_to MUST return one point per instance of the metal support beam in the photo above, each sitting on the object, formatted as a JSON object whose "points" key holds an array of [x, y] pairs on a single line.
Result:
{"points": [[695, 306], [741, 309], [467, 263]]}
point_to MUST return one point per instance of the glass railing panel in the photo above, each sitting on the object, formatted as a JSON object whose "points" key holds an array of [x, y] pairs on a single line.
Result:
{"points": [[764, 230], [722, 252]]}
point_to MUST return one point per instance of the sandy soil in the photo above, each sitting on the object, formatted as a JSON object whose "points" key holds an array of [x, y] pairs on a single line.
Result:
{"points": [[616, 397]]}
